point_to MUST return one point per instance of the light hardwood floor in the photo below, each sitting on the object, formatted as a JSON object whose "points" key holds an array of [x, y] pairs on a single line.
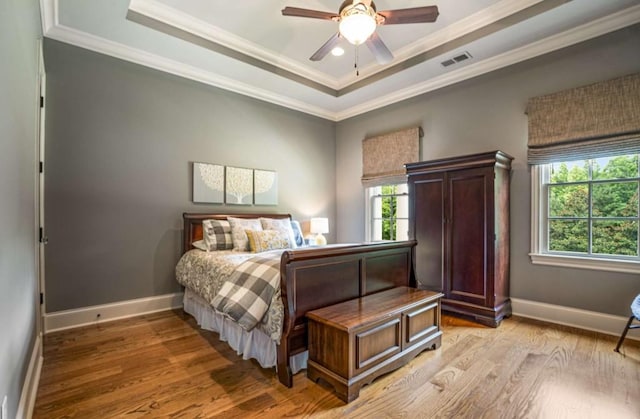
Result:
{"points": [[162, 365]]}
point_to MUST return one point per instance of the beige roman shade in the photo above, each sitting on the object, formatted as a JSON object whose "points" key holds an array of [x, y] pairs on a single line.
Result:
{"points": [[384, 156], [586, 122]]}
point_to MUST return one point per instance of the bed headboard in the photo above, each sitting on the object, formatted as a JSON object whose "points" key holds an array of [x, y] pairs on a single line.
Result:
{"points": [[193, 224]]}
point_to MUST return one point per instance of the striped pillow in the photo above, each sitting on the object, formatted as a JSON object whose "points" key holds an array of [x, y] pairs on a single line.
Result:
{"points": [[217, 234]]}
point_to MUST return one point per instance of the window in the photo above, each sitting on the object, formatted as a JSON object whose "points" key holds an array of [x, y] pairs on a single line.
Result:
{"points": [[387, 212], [586, 213]]}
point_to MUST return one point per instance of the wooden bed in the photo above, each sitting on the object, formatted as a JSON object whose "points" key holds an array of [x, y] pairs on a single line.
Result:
{"points": [[316, 277]]}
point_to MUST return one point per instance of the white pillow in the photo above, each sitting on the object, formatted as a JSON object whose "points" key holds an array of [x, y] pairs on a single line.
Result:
{"points": [[282, 225], [238, 235], [200, 245]]}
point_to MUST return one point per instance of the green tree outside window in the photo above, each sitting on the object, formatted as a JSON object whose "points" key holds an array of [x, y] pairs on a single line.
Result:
{"points": [[593, 206]]}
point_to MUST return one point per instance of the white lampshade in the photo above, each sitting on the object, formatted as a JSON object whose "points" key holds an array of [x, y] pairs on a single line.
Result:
{"points": [[357, 25], [319, 225]]}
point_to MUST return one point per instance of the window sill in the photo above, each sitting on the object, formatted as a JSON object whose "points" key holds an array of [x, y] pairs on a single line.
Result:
{"points": [[612, 265]]}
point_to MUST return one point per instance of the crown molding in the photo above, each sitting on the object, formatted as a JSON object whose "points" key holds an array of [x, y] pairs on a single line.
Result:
{"points": [[176, 18], [552, 43], [48, 15], [103, 46], [456, 30], [54, 30]]}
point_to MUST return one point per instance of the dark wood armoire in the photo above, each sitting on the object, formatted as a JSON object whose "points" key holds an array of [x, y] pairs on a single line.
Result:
{"points": [[459, 214]]}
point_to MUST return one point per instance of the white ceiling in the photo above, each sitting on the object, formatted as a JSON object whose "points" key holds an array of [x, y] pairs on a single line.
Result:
{"points": [[248, 47]]}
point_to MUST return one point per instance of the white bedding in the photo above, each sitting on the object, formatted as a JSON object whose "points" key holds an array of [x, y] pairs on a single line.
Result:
{"points": [[203, 274], [251, 345], [206, 272]]}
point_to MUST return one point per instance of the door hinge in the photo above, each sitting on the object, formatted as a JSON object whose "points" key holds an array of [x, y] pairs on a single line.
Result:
{"points": [[42, 101], [41, 298], [41, 233], [41, 167]]}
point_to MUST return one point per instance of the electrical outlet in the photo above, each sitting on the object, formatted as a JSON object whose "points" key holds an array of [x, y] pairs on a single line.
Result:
{"points": [[4, 414]]}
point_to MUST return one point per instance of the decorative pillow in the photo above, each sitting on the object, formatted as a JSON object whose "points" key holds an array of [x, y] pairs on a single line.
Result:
{"points": [[216, 234], [200, 245], [263, 240], [281, 224], [238, 226], [297, 233]]}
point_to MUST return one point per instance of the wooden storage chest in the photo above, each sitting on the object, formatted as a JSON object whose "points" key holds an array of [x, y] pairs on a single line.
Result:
{"points": [[352, 343]]}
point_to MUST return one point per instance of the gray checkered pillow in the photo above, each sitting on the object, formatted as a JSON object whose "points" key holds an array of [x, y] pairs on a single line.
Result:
{"points": [[217, 234]]}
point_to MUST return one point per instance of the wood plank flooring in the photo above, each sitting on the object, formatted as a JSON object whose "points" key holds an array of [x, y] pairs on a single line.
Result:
{"points": [[163, 365]]}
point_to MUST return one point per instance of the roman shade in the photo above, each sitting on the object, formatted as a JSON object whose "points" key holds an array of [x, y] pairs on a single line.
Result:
{"points": [[601, 119], [384, 156]]}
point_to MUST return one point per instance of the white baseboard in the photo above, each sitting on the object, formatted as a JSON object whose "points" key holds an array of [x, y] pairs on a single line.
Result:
{"points": [[69, 319], [568, 316], [31, 381]]}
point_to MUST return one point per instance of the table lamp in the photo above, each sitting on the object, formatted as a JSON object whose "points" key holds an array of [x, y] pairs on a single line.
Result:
{"points": [[319, 226]]}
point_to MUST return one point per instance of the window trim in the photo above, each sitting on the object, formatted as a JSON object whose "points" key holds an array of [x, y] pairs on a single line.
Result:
{"points": [[538, 237]]}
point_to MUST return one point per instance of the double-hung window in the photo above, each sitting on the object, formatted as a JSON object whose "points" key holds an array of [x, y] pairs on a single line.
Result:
{"points": [[583, 147], [585, 213], [387, 210], [385, 183]]}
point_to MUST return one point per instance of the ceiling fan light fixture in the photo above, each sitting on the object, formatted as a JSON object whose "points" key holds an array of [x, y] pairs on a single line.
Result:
{"points": [[357, 23]]}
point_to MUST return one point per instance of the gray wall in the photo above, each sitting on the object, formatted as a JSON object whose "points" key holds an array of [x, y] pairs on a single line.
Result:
{"points": [[120, 142], [487, 113], [120, 138], [19, 31]]}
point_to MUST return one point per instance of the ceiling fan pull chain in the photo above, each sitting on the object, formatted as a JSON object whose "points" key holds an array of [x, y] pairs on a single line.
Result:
{"points": [[356, 63]]}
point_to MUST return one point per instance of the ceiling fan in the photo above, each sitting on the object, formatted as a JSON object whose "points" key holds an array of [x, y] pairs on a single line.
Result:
{"points": [[357, 24]]}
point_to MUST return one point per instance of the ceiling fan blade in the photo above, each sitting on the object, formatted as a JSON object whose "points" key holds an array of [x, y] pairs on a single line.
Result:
{"points": [[326, 48], [379, 49], [314, 14], [413, 15]]}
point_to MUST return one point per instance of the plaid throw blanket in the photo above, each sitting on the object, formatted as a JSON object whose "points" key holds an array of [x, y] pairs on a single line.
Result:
{"points": [[246, 295]]}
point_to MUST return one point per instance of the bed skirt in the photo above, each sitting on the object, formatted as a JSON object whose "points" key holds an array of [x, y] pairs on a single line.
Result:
{"points": [[251, 345]]}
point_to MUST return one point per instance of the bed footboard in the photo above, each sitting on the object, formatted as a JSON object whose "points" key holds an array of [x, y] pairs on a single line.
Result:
{"points": [[317, 277]]}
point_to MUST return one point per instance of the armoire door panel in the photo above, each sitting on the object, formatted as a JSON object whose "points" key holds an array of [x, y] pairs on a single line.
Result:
{"points": [[428, 231], [467, 207]]}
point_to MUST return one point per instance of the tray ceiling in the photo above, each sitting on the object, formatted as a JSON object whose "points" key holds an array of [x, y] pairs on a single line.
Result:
{"points": [[248, 46]]}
